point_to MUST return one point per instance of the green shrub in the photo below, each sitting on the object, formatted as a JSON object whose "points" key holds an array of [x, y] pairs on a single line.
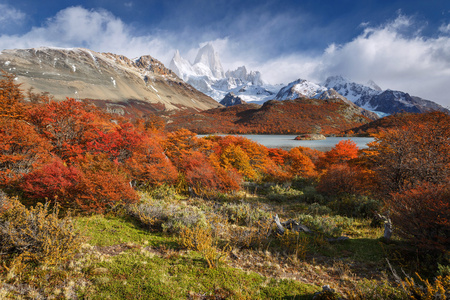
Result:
{"points": [[36, 235], [355, 206], [280, 194], [321, 224], [317, 209], [169, 217], [243, 213], [310, 195]]}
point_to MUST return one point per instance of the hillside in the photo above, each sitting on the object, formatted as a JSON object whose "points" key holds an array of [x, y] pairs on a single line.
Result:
{"points": [[274, 117], [86, 74]]}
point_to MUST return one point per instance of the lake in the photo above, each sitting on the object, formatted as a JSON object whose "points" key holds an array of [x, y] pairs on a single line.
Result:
{"points": [[288, 141]]}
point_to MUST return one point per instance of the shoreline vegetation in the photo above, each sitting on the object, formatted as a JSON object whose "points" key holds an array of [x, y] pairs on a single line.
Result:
{"points": [[96, 206]]}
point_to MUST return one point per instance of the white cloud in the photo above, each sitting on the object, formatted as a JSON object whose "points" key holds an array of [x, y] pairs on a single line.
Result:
{"points": [[10, 15], [396, 56], [98, 30]]}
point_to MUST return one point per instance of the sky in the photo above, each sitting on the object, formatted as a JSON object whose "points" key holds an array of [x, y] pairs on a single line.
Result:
{"points": [[400, 44]]}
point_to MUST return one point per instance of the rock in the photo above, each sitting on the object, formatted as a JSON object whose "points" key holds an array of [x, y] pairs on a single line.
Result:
{"points": [[310, 136]]}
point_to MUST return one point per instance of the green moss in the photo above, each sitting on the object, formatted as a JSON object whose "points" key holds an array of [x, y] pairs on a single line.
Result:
{"points": [[106, 231], [136, 276]]}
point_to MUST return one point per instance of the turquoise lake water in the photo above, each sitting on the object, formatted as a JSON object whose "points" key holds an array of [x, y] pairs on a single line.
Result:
{"points": [[288, 141]]}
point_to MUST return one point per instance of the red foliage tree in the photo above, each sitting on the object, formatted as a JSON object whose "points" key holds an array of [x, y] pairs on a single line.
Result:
{"points": [[21, 150], [103, 185], [69, 125], [343, 152], [342, 178], [412, 154], [422, 215], [53, 182]]}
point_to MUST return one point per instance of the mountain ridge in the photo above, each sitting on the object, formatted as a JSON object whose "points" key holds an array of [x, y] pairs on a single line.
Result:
{"points": [[85, 74]]}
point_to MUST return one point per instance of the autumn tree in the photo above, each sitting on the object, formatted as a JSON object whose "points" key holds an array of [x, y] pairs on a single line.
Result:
{"points": [[54, 182], [69, 125], [11, 98], [412, 165], [299, 164], [415, 153], [21, 150], [421, 215], [342, 152], [103, 185]]}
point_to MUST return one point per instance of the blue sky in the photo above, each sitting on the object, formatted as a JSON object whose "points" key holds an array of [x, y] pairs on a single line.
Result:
{"points": [[399, 44]]}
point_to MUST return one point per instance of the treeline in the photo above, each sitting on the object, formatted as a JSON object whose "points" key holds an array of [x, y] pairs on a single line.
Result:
{"points": [[72, 154]]}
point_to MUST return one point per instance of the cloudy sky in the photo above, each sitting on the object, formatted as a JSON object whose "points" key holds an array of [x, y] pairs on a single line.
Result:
{"points": [[400, 44]]}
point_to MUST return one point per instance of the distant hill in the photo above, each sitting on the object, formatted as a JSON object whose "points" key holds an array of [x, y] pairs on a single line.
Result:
{"points": [[330, 116], [392, 122]]}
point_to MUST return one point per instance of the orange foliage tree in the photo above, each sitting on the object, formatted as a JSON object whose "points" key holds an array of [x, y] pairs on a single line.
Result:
{"points": [[342, 152], [415, 153], [11, 98], [422, 215], [103, 185], [21, 150], [299, 164]]}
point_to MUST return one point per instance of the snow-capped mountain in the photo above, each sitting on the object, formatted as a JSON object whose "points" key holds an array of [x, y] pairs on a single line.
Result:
{"points": [[206, 74], [373, 98], [300, 88]]}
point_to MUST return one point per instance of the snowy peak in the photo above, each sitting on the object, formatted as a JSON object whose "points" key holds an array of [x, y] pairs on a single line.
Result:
{"points": [[241, 73], [207, 76], [354, 92], [300, 88], [374, 86], [373, 98], [207, 59]]}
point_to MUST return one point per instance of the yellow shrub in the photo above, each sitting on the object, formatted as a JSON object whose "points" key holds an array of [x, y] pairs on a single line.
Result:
{"points": [[36, 235], [200, 239], [424, 290], [295, 243]]}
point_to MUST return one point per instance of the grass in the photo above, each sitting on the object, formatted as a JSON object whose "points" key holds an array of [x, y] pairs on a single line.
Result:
{"points": [[111, 230], [151, 262], [122, 259]]}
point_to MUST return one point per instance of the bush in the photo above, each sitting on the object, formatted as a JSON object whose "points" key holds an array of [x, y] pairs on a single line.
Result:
{"points": [[201, 239], [355, 206], [343, 179], [243, 213], [169, 217], [36, 235], [280, 194], [321, 224], [422, 215], [311, 196]]}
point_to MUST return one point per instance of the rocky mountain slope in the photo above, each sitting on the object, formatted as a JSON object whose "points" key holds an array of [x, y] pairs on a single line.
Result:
{"points": [[85, 74]]}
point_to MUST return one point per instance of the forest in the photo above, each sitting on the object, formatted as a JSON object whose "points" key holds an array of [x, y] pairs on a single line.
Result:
{"points": [[94, 205]]}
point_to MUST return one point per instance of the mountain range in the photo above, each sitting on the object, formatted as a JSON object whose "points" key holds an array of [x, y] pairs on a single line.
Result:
{"points": [[239, 86], [143, 86]]}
